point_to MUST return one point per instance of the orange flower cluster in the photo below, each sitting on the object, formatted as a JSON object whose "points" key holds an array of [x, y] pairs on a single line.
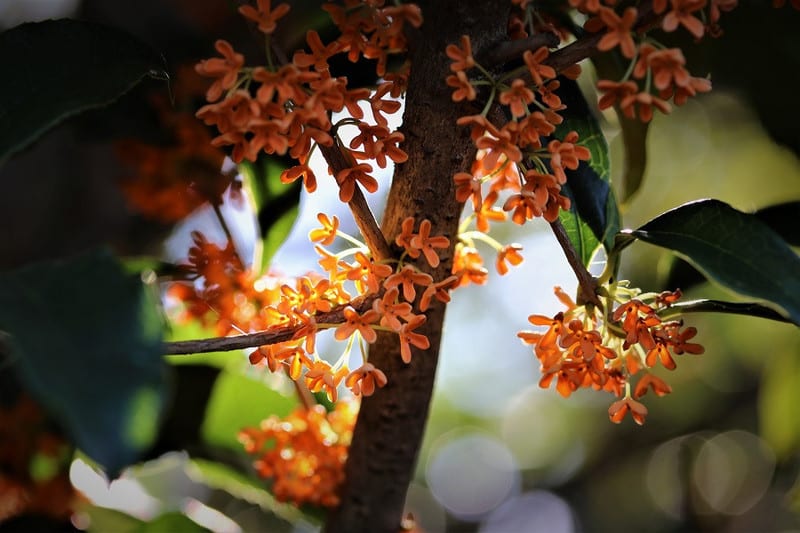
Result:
{"points": [[304, 454], [585, 347], [518, 160], [24, 435], [167, 182], [661, 70], [288, 108]]}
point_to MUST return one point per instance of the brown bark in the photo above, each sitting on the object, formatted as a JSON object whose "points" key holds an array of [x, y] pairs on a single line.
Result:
{"points": [[391, 423]]}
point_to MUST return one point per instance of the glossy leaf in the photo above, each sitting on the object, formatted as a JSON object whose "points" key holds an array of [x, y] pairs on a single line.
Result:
{"points": [[58, 68], [783, 219], [593, 217], [733, 248], [86, 341]]}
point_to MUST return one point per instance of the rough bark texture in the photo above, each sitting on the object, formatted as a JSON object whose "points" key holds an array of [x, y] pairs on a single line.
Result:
{"points": [[391, 422]]}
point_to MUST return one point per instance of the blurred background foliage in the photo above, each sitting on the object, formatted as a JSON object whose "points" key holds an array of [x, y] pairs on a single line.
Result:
{"points": [[722, 453]]}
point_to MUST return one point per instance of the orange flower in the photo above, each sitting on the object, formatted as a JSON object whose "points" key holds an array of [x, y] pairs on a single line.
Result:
{"points": [[408, 338], [321, 377], [264, 16], [405, 236], [509, 253], [646, 103], [517, 97], [496, 147], [426, 244], [348, 177], [539, 72], [327, 233], [467, 185], [379, 105], [682, 14], [408, 277], [364, 379], [319, 55], [367, 272], [468, 266], [440, 290], [390, 310], [462, 57], [488, 212], [659, 386], [463, 88], [226, 69], [618, 31], [614, 92], [355, 322], [620, 408], [309, 179], [566, 154]]}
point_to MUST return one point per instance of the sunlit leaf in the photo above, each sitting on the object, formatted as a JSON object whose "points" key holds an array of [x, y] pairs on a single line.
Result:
{"points": [[732, 248], [58, 68], [86, 341], [239, 401], [593, 217]]}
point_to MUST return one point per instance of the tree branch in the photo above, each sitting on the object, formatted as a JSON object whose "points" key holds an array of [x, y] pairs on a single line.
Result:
{"points": [[362, 214], [272, 335], [588, 284]]}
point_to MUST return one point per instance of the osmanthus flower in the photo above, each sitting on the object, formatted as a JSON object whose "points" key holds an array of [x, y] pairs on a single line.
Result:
{"points": [[613, 92], [622, 407], [618, 31], [364, 379], [566, 154], [367, 273], [403, 239], [646, 102], [681, 94], [461, 55], [668, 68], [320, 53], [468, 186], [534, 61], [651, 381], [682, 13], [517, 97], [322, 377], [499, 146], [300, 171], [487, 212], [509, 254], [468, 266], [439, 290], [534, 197], [390, 310], [379, 105], [225, 69], [348, 178], [360, 323], [327, 233], [463, 88], [407, 277], [264, 15], [410, 338], [426, 244], [330, 263]]}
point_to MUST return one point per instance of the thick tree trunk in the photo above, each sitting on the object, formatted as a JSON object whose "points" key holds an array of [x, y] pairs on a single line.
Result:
{"points": [[391, 422]]}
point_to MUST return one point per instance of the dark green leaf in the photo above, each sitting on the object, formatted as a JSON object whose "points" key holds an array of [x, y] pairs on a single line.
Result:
{"points": [[276, 203], [86, 340], [593, 217], [58, 68], [719, 306], [733, 248], [612, 66], [171, 522]]}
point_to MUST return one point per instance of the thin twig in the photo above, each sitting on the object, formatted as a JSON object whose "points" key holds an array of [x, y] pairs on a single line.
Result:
{"points": [[510, 50], [586, 281], [374, 238], [272, 335], [306, 398]]}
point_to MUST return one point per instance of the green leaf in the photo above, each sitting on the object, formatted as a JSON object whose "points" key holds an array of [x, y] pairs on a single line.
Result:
{"points": [[733, 248], [593, 217], [86, 340], [58, 68], [276, 203], [171, 522], [240, 401], [782, 218]]}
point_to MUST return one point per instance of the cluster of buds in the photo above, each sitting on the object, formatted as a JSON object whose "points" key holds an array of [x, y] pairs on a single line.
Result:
{"points": [[603, 349]]}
